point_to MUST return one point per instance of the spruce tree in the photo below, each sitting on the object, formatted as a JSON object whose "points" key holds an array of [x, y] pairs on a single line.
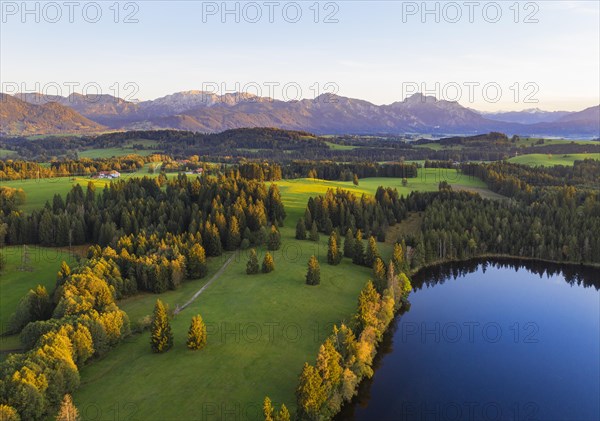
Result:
{"points": [[234, 238], [274, 241], [162, 336], [196, 338], [372, 253], [333, 253], [283, 414], [196, 262], [300, 230], [252, 265], [268, 409], [268, 265], [358, 257], [349, 244], [398, 257], [314, 233], [67, 411], [307, 217], [379, 276], [310, 393], [313, 275]]}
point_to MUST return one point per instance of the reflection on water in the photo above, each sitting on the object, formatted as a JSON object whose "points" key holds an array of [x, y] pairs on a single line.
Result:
{"points": [[490, 340]]}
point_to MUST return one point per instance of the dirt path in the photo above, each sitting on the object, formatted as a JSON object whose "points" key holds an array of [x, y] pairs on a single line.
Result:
{"points": [[201, 290]]}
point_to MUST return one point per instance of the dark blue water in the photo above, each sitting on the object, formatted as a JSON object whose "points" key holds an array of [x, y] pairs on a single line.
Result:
{"points": [[490, 342]]}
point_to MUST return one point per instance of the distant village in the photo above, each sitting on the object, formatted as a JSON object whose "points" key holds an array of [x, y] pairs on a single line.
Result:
{"points": [[114, 174], [109, 175]]}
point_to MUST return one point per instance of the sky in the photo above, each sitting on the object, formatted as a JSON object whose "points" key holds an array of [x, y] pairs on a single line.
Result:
{"points": [[490, 56]]}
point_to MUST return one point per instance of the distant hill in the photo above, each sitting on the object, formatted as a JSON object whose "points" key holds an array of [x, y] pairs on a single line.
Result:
{"points": [[327, 114], [22, 118]]}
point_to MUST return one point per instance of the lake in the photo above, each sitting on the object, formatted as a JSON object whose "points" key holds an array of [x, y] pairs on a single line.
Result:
{"points": [[503, 340]]}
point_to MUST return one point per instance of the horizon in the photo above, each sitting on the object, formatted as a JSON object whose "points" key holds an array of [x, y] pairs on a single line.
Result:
{"points": [[489, 63]]}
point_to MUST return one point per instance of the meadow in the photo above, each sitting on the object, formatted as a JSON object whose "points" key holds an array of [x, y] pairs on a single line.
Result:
{"points": [[43, 265], [262, 328], [549, 160], [39, 191]]}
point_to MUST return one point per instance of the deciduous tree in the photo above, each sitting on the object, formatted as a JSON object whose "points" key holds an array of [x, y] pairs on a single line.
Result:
{"points": [[162, 336], [196, 338]]}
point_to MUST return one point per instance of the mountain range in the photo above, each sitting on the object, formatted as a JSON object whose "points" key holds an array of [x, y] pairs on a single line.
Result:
{"points": [[31, 113]]}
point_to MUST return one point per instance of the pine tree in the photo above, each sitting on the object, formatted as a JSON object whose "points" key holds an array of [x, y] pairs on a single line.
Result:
{"points": [[310, 393], [398, 257], [283, 414], [234, 238], [274, 241], [63, 274], [268, 264], [307, 217], [67, 411], [196, 338], [349, 244], [252, 265], [372, 253], [358, 257], [379, 276], [333, 253], [196, 262], [300, 230], [419, 258], [162, 336], [314, 233], [313, 275], [268, 409], [8, 413]]}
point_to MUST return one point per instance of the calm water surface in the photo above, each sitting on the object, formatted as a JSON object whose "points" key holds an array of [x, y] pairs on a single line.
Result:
{"points": [[490, 341]]}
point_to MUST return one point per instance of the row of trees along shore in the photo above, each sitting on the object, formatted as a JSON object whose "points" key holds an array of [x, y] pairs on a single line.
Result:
{"points": [[346, 356]]}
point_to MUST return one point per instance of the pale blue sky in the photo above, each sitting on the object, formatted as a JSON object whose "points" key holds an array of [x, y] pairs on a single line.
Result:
{"points": [[374, 52]]}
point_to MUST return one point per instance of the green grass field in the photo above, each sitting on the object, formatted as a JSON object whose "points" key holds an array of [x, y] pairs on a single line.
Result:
{"points": [[38, 191], [14, 283], [262, 329], [5, 152], [113, 152], [549, 160], [338, 147]]}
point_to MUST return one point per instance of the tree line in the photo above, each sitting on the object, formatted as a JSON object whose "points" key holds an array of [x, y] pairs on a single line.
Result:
{"points": [[346, 356], [21, 170], [224, 211], [78, 320]]}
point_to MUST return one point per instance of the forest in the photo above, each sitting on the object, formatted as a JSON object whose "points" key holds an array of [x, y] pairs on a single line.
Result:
{"points": [[285, 146]]}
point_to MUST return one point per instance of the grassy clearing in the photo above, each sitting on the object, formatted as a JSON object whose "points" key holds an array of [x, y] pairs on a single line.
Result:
{"points": [[549, 160], [262, 329], [5, 152], [297, 191], [338, 147], [14, 284], [114, 152], [38, 191]]}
